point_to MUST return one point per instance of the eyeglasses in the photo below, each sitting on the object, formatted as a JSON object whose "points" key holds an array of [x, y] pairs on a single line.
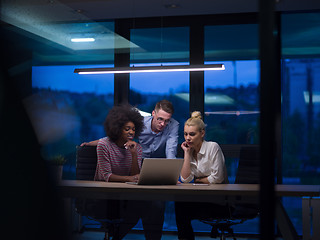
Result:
{"points": [[161, 120]]}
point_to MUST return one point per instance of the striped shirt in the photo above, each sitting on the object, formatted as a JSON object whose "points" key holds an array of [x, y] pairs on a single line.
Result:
{"points": [[114, 160]]}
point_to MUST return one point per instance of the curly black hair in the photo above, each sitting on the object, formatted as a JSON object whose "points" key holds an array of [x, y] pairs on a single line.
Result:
{"points": [[118, 116]]}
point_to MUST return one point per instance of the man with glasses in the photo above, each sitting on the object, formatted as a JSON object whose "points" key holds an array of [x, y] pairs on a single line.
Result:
{"points": [[159, 139]]}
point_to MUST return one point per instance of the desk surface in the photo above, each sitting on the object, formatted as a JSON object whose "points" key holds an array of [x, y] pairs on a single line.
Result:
{"points": [[181, 192]]}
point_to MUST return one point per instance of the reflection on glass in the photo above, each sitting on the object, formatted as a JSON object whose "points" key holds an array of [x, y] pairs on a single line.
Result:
{"points": [[235, 41], [232, 103], [301, 120], [160, 45], [146, 89], [67, 109], [300, 127], [232, 112], [300, 105]]}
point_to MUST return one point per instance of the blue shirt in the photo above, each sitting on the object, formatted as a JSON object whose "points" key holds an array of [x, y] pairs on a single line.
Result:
{"points": [[159, 145]]}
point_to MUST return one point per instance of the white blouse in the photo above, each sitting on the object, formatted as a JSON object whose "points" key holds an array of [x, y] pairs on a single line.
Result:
{"points": [[210, 164]]}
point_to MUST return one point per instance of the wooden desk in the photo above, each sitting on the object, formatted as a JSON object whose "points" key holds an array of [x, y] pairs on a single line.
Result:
{"points": [[190, 192], [181, 192]]}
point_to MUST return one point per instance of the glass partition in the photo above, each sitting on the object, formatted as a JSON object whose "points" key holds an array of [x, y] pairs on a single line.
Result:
{"points": [[231, 42], [300, 105], [231, 97], [232, 103], [161, 46], [146, 89], [67, 109]]}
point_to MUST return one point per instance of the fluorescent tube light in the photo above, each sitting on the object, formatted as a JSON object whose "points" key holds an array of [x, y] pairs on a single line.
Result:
{"points": [[82, 39], [238, 113], [177, 68]]}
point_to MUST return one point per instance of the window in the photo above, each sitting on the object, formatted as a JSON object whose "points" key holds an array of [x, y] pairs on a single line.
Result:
{"points": [[300, 97], [67, 109], [300, 105], [231, 96], [231, 42], [232, 103], [166, 46], [156, 46], [159, 45]]}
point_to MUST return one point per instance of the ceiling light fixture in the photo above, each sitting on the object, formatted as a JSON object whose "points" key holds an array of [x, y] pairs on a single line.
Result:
{"points": [[177, 68], [82, 39]]}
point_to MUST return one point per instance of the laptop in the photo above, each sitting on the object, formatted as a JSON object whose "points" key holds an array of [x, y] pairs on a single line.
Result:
{"points": [[160, 171]]}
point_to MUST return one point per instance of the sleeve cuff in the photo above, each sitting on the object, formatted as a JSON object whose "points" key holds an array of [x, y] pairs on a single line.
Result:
{"points": [[210, 179], [187, 180]]}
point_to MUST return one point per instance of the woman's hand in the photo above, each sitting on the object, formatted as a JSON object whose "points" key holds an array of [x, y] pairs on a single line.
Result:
{"points": [[185, 147], [185, 170], [131, 146], [201, 180], [134, 178]]}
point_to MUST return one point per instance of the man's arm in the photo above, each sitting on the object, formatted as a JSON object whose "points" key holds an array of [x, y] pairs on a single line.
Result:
{"points": [[172, 141], [92, 143]]}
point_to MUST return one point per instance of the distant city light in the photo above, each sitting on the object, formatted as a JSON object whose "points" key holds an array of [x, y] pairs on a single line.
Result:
{"points": [[315, 97]]}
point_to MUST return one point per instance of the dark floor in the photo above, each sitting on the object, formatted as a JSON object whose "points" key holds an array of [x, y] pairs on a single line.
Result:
{"points": [[89, 235], [93, 232]]}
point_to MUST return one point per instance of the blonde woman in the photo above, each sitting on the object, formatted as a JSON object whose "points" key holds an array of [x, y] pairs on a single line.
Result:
{"points": [[203, 163]]}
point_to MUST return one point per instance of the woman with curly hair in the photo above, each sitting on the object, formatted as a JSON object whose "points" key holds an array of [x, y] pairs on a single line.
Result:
{"points": [[119, 157], [119, 160], [158, 138]]}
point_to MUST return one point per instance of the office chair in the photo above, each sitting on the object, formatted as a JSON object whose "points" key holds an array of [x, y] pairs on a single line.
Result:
{"points": [[244, 209], [103, 211]]}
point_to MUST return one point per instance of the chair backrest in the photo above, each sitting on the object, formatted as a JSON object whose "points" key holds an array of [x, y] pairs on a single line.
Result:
{"points": [[98, 209], [248, 173], [86, 162], [249, 165]]}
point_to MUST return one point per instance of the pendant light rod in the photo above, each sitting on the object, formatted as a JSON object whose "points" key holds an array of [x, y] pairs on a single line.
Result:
{"points": [[177, 68]]}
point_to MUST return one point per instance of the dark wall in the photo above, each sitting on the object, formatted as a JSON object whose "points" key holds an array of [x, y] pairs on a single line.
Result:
{"points": [[31, 207]]}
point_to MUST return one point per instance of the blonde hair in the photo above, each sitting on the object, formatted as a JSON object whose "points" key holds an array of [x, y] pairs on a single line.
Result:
{"points": [[196, 120]]}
